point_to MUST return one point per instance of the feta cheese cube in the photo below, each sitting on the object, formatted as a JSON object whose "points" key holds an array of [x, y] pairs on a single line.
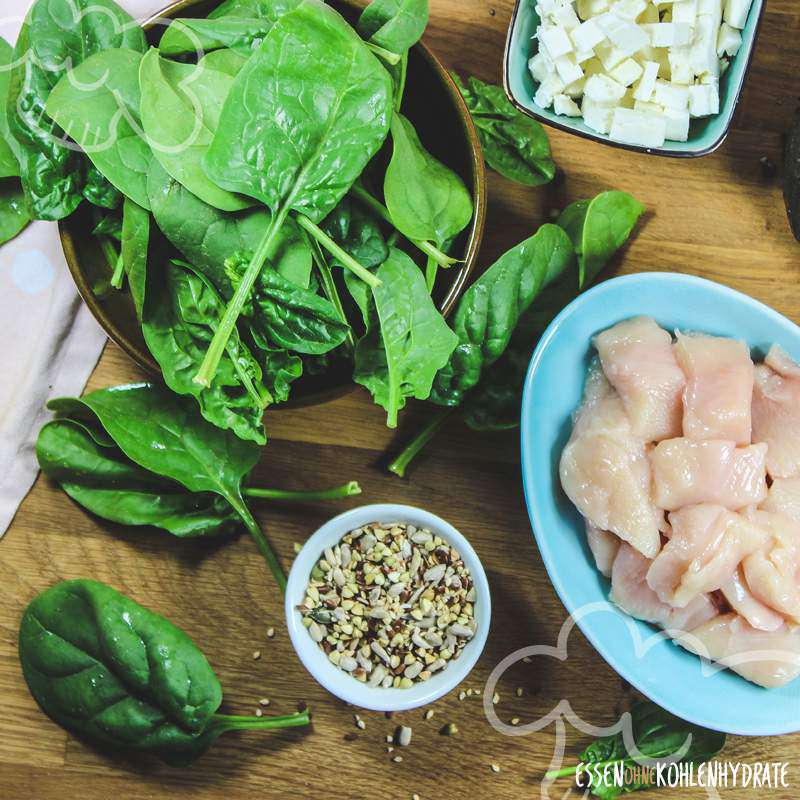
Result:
{"points": [[713, 7], [565, 106], [704, 99], [591, 8], [567, 18], [669, 34], [623, 33], [555, 40], [638, 128], [593, 67], [629, 8], [677, 124], [704, 46], [651, 108], [597, 116], [603, 89], [609, 55], [736, 12], [547, 90], [575, 89], [680, 65], [649, 15], [540, 67], [647, 83], [729, 40], [568, 70], [684, 11], [587, 35], [583, 55], [627, 72], [670, 95]]}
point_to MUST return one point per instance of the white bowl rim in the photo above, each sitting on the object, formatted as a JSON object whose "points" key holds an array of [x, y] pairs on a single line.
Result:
{"points": [[339, 682]]}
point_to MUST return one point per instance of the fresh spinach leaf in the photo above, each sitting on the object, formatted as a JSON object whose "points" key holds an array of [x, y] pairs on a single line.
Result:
{"points": [[188, 36], [407, 341], [598, 228], [181, 104], [135, 240], [99, 191], [9, 164], [489, 310], [110, 670], [357, 232], [254, 9], [51, 42], [14, 216], [425, 199], [395, 25], [109, 225], [513, 144], [280, 369], [293, 155], [97, 104], [181, 315]]}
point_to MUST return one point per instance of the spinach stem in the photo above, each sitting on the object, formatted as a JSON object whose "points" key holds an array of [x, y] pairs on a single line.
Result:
{"points": [[261, 541], [431, 268], [387, 55], [430, 249], [232, 722], [559, 773], [345, 258], [329, 285], [217, 347], [119, 273], [346, 490], [410, 451], [401, 82]]}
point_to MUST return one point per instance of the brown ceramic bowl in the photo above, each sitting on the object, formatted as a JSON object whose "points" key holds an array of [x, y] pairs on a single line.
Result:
{"points": [[436, 108]]}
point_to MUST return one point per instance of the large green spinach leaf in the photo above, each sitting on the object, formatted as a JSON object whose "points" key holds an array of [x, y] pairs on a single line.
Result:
{"points": [[134, 243], [182, 312], [272, 144], [598, 228], [9, 165], [513, 144], [181, 105], [14, 216], [425, 199], [104, 667], [97, 104], [489, 310], [407, 341], [54, 38], [395, 25]]}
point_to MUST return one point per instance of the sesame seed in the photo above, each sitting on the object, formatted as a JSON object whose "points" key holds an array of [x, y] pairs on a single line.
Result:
{"points": [[256, 655]]}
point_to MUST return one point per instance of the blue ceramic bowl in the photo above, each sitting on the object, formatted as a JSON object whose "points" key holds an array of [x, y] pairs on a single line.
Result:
{"points": [[705, 135], [670, 676]]}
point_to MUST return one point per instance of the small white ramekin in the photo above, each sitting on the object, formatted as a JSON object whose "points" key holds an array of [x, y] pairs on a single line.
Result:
{"points": [[336, 680]]}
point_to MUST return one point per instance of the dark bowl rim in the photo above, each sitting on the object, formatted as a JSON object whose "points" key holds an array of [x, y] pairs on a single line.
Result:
{"points": [[463, 270], [599, 138]]}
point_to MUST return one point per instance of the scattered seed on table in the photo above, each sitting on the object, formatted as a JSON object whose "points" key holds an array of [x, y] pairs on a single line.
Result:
{"points": [[397, 759], [527, 660], [259, 712], [495, 698], [264, 701], [414, 797], [519, 691], [402, 735], [428, 714], [270, 632], [360, 724], [462, 695], [515, 720], [256, 655], [390, 749], [495, 767], [297, 547], [451, 729]]}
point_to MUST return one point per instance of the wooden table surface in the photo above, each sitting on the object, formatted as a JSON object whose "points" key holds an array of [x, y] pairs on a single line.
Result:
{"points": [[720, 217]]}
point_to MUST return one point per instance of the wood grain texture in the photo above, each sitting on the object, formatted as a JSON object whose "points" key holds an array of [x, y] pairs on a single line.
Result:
{"points": [[718, 217]]}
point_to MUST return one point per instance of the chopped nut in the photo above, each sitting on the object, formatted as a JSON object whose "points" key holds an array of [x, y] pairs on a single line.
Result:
{"points": [[515, 720], [451, 729], [397, 759], [518, 691], [428, 714], [256, 655], [264, 701], [270, 633], [402, 735], [495, 698]]}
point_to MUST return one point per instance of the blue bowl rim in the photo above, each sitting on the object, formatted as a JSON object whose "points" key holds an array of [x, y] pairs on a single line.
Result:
{"points": [[596, 137], [541, 541]]}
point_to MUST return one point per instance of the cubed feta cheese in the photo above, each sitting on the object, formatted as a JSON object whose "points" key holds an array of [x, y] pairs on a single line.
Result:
{"points": [[651, 108], [567, 18], [677, 124], [671, 95], [680, 65], [713, 7], [704, 46], [624, 34], [736, 12], [565, 106], [647, 83], [587, 35], [684, 11], [593, 67], [597, 116], [729, 40], [555, 40], [575, 89], [669, 34], [609, 55], [627, 72], [638, 128], [704, 99], [568, 70], [547, 90], [629, 8], [591, 8], [603, 89], [540, 67]]}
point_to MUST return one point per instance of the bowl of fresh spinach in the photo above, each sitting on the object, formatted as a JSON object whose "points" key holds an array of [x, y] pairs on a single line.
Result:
{"points": [[173, 268]]}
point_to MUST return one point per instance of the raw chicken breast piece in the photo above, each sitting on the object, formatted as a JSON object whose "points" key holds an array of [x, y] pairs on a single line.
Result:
{"points": [[773, 571], [605, 471], [638, 360], [768, 658], [783, 497], [743, 602], [776, 413], [780, 361], [708, 543], [604, 547], [687, 472], [719, 387], [629, 590]]}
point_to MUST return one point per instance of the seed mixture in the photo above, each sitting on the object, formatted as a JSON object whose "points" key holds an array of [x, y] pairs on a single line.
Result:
{"points": [[391, 604]]}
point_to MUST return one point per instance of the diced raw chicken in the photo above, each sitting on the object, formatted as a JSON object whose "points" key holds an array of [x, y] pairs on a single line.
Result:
{"points": [[719, 387], [768, 658], [604, 547], [782, 363], [773, 571], [687, 472], [605, 471], [776, 414], [629, 590], [742, 601], [638, 360], [783, 497], [708, 543]]}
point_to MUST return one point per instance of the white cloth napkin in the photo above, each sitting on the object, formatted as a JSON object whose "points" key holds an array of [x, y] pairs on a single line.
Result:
{"points": [[49, 341]]}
